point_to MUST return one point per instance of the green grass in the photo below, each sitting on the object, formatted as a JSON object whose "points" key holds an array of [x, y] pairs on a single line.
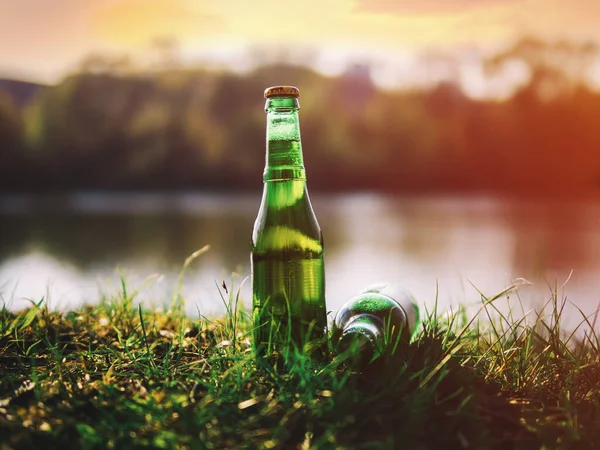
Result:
{"points": [[119, 376]]}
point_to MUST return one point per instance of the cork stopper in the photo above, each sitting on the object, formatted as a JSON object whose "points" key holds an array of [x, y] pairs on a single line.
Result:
{"points": [[281, 91]]}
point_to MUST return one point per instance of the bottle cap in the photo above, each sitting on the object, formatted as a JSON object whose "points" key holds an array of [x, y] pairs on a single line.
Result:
{"points": [[281, 91]]}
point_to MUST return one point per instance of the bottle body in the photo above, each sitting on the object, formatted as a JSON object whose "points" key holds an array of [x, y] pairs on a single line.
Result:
{"points": [[288, 274], [377, 321]]}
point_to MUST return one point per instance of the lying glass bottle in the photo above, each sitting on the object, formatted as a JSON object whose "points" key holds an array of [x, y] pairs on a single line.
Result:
{"points": [[378, 321]]}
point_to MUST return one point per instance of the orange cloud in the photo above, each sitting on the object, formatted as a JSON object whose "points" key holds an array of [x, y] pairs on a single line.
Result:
{"points": [[437, 7], [42, 37], [133, 22]]}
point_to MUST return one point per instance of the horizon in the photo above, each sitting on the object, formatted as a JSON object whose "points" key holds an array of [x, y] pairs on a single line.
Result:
{"points": [[394, 38]]}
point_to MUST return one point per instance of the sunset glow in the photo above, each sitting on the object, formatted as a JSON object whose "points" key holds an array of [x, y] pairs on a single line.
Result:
{"points": [[43, 39]]}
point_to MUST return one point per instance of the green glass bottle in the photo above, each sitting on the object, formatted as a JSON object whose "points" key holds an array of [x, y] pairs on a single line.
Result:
{"points": [[378, 321], [288, 276]]}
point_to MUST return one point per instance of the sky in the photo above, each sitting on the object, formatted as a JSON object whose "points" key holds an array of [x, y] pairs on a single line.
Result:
{"points": [[45, 39]]}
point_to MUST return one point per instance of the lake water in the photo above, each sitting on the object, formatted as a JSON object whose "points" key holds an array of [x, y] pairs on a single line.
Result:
{"points": [[72, 250]]}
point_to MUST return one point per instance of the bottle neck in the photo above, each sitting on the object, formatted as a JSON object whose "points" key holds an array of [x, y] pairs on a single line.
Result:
{"points": [[284, 160], [363, 335]]}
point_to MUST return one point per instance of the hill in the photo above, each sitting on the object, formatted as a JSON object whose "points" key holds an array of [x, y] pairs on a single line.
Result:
{"points": [[21, 92]]}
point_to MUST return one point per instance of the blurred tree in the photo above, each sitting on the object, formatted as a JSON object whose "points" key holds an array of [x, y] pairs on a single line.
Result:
{"points": [[108, 127], [557, 69], [11, 129], [80, 127], [549, 141], [100, 63], [167, 53]]}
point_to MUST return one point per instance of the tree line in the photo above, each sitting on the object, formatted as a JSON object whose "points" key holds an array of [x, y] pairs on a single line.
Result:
{"points": [[202, 129]]}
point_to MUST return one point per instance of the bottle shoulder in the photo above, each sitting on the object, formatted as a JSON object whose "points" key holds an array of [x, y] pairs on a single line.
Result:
{"points": [[374, 304], [286, 219]]}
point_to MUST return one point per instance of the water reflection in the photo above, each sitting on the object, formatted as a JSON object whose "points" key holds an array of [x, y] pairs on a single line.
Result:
{"points": [[70, 247], [557, 242]]}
